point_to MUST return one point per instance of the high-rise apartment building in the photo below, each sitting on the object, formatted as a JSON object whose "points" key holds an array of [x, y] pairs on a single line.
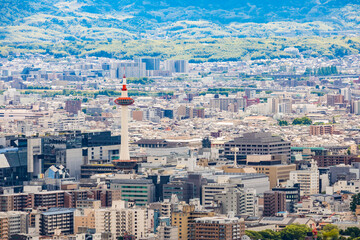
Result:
{"points": [[308, 179], [322, 129], [116, 221], [73, 106], [274, 202], [292, 196], [57, 219], [166, 231], [356, 107], [334, 99], [132, 69], [237, 201], [217, 228], [177, 66], [184, 220], [12, 223], [151, 63]]}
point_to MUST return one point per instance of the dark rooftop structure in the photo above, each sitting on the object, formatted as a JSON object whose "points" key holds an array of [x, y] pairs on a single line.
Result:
{"points": [[261, 143], [159, 143]]}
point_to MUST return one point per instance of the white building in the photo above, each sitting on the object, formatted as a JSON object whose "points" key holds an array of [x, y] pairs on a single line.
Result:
{"points": [[350, 186], [308, 179], [118, 221]]}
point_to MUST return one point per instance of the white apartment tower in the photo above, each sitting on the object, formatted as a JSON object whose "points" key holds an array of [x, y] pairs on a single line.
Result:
{"points": [[308, 179]]}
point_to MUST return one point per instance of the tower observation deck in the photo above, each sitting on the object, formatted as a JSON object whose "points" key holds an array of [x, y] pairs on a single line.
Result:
{"points": [[124, 101]]}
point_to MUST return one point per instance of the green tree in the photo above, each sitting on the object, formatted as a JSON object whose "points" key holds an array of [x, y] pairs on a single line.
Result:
{"points": [[302, 121], [206, 143], [295, 232], [330, 232], [283, 123], [351, 231], [355, 200], [270, 234], [306, 121], [253, 235]]}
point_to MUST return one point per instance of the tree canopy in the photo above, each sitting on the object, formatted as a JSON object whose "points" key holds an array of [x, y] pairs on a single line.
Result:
{"points": [[302, 121]]}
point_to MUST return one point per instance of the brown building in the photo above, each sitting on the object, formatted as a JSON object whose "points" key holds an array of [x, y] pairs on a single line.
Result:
{"points": [[73, 106], [4, 228], [331, 160], [48, 199], [20, 201], [322, 129], [333, 100], [185, 221], [56, 199], [216, 228], [199, 113], [137, 115], [274, 202]]}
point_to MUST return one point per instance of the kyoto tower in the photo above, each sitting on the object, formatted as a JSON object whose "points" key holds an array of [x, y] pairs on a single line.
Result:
{"points": [[124, 101]]}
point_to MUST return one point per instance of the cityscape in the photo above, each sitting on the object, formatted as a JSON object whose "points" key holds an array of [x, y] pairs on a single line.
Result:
{"points": [[105, 145]]}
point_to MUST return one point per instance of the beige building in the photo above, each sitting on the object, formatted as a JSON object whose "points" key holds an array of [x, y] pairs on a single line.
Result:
{"points": [[342, 185], [308, 179], [89, 203], [84, 219], [116, 220], [167, 232], [277, 173], [185, 220], [13, 222]]}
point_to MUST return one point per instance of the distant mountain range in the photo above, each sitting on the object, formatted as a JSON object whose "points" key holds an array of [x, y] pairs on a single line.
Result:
{"points": [[83, 20]]}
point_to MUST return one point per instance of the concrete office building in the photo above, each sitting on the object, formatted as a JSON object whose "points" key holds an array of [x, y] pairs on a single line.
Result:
{"points": [[211, 190], [132, 69], [177, 66], [257, 143], [151, 63], [277, 173], [228, 104], [256, 181], [341, 172], [237, 201], [140, 191], [356, 107]]}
